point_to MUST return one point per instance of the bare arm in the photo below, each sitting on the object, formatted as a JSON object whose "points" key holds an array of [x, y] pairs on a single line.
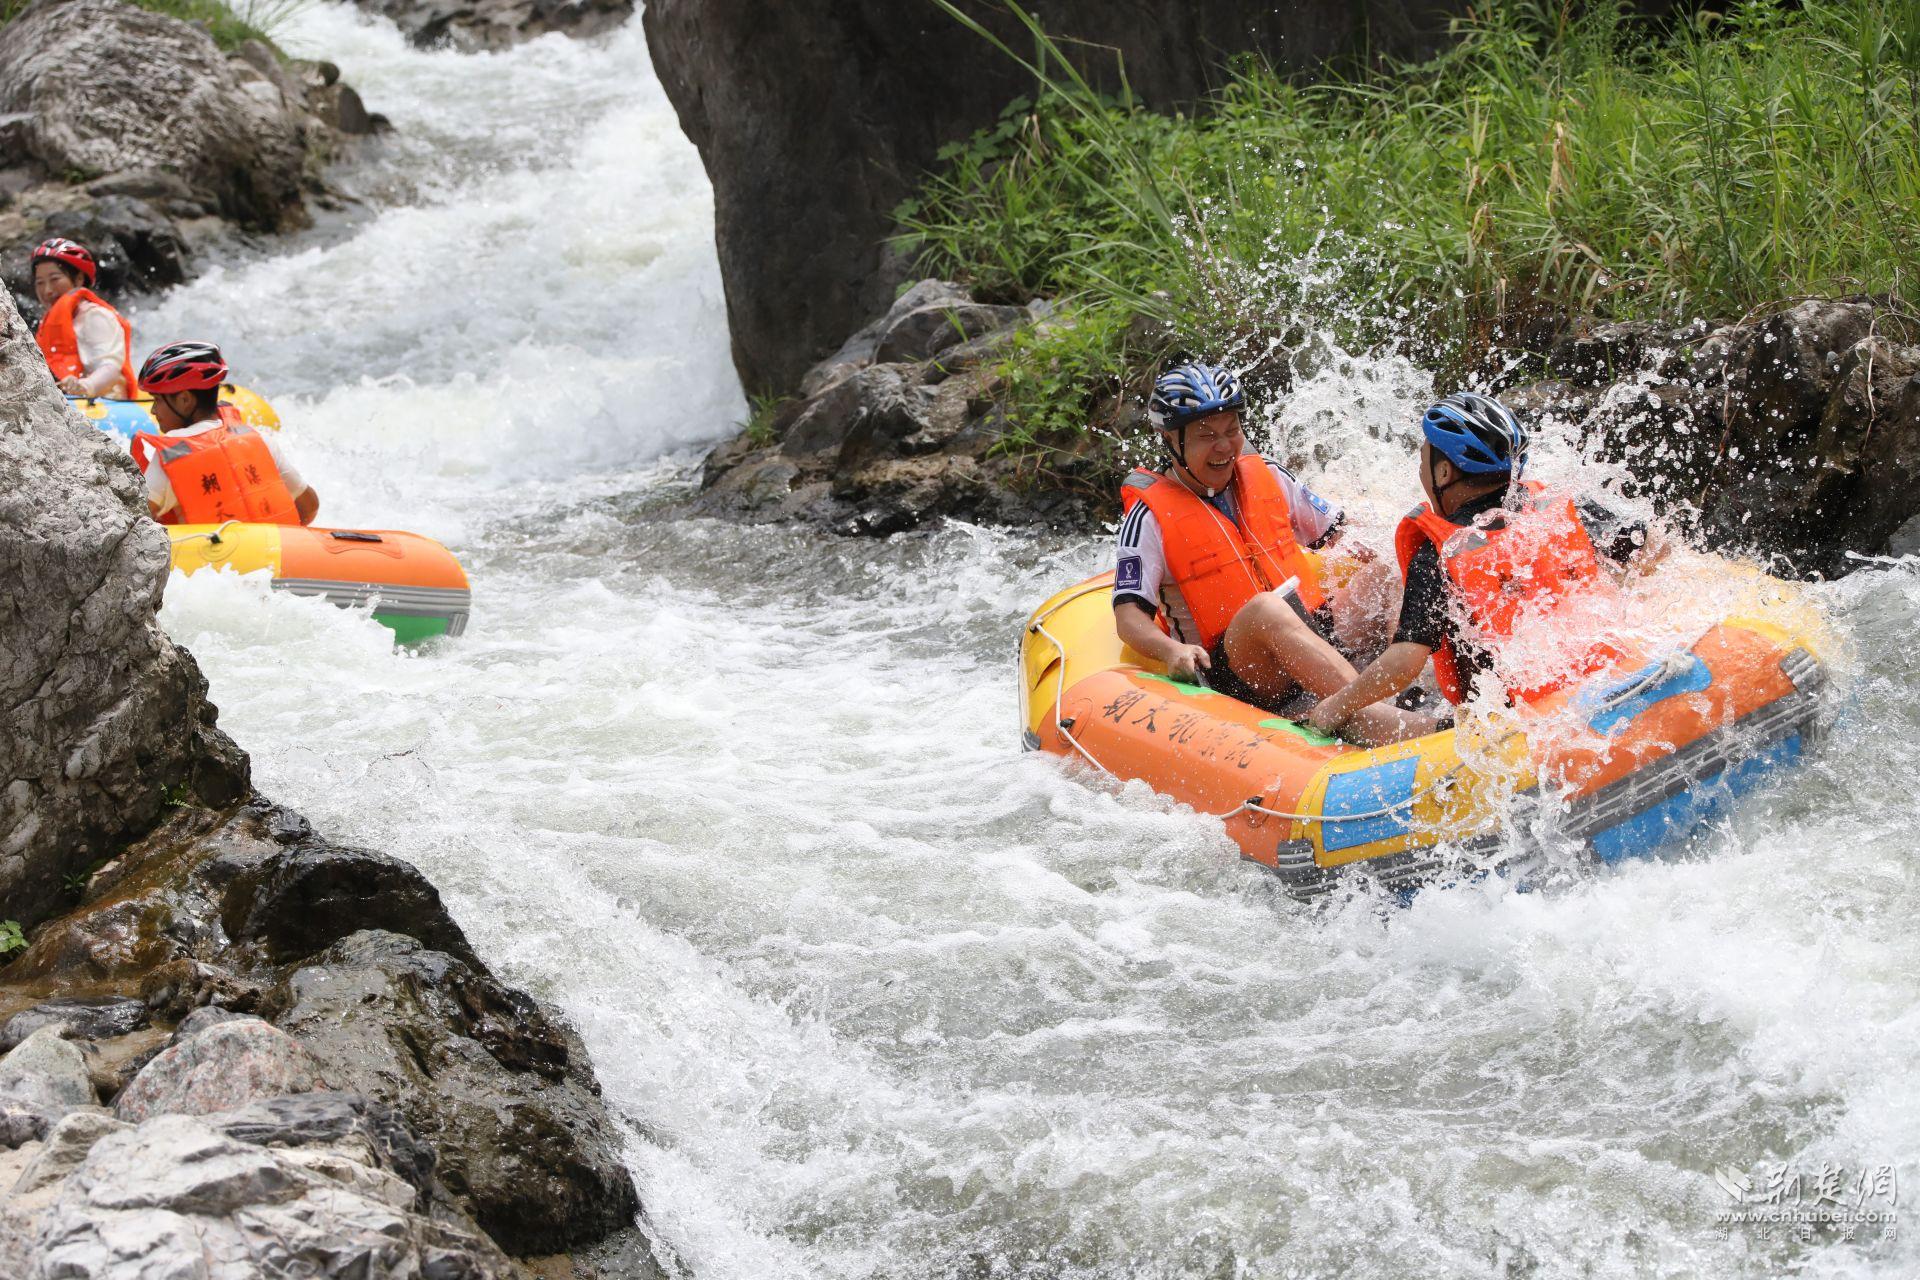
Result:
{"points": [[306, 504], [1385, 676], [1138, 632]]}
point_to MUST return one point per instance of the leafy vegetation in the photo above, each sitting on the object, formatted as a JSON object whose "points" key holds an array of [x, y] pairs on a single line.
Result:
{"points": [[1553, 158], [12, 940]]}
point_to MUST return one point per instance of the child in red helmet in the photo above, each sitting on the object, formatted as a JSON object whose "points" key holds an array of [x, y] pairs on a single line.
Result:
{"points": [[88, 345], [207, 466]]}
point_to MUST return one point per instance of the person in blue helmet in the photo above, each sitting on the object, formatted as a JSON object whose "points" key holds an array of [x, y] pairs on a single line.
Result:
{"points": [[1211, 571], [1483, 544]]}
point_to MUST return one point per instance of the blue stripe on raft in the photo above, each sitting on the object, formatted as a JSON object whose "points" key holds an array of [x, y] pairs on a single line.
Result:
{"points": [[123, 417], [1679, 815], [1363, 791], [1694, 678]]}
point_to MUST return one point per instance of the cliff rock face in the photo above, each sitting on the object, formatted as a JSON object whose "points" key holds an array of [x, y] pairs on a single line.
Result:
{"points": [[105, 720], [814, 118]]}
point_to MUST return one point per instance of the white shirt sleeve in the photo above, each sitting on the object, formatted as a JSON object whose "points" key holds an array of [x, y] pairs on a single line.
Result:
{"points": [[1139, 559], [289, 474], [98, 337], [159, 488], [1313, 516]]}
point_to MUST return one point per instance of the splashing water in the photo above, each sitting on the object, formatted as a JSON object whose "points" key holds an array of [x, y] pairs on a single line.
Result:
{"points": [[880, 996]]}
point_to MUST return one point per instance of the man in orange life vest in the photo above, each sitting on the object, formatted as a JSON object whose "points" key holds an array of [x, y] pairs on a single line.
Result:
{"points": [[207, 465], [1211, 575], [87, 344], [1484, 547]]}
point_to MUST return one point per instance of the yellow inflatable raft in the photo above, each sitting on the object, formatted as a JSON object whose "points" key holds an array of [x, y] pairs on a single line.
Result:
{"points": [[1636, 756]]}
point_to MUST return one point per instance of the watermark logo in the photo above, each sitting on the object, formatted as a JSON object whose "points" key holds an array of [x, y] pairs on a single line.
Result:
{"points": [[1785, 1198]]}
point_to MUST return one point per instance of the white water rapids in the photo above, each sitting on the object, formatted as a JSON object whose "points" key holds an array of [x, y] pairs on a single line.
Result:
{"points": [[879, 995]]}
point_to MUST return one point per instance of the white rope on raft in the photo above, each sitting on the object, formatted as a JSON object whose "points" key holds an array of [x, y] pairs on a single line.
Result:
{"points": [[1253, 805], [211, 536]]}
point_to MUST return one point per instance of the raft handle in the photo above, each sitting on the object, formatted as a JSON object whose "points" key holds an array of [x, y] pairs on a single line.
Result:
{"points": [[212, 537], [353, 535]]}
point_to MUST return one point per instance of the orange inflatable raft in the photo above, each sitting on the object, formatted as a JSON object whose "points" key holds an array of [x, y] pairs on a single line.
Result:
{"points": [[414, 585], [1637, 755]]}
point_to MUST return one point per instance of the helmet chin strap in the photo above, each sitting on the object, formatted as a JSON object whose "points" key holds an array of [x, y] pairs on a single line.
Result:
{"points": [[1180, 460]]}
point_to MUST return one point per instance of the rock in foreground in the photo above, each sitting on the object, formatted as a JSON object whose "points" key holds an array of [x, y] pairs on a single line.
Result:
{"points": [[105, 718], [352, 1102]]}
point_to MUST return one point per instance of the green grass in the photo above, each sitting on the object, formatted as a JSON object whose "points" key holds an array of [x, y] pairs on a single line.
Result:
{"points": [[229, 25], [1552, 159]]}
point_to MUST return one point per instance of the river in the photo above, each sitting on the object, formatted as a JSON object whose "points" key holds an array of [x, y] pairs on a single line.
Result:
{"points": [[879, 995]]}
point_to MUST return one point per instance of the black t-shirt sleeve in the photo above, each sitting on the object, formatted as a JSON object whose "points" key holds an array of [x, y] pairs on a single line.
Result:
{"points": [[1614, 536], [1423, 609]]}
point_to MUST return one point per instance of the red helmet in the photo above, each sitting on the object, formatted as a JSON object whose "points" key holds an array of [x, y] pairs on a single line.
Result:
{"points": [[183, 366], [68, 254]]}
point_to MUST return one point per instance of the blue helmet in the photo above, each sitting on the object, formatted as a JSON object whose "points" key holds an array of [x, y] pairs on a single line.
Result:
{"points": [[1477, 434], [1192, 391]]}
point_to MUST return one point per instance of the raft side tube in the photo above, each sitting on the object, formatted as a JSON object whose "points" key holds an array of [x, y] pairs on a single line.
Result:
{"points": [[415, 585], [1640, 754]]}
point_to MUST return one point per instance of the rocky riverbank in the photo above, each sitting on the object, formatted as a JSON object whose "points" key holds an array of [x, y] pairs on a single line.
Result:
{"points": [[1791, 433], [229, 1039], [135, 134], [287, 1051]]}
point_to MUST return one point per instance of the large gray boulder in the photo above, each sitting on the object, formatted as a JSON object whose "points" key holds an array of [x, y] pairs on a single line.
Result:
{"points": [[816, 117], [223, 1067], [178, 1197], [477, 1069], [1796, 433], [40, 1081], [108, 88], [104, 718]]}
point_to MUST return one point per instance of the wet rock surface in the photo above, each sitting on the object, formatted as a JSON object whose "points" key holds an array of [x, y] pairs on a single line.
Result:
{"points": [[496, 24], [902, 425], [133, 133], [479, 1070], [1796, 434], [355, 1098], [83, 1018]]}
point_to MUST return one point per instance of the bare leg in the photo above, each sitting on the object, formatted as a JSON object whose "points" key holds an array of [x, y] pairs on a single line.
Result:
{"points": [[1273, 649]]}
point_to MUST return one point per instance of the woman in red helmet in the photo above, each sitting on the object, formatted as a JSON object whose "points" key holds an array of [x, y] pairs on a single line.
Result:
{"points": [[207, 465], [88, 345]]}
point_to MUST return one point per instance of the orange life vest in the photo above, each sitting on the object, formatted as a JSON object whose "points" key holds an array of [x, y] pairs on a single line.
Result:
{"points": [[1537, 558], [61, 346], [223, 474], [1218, 564]]}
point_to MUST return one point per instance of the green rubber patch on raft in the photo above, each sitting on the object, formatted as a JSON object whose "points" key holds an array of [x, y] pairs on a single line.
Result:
{"points": [[1197, 690], [1307, 732]]}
